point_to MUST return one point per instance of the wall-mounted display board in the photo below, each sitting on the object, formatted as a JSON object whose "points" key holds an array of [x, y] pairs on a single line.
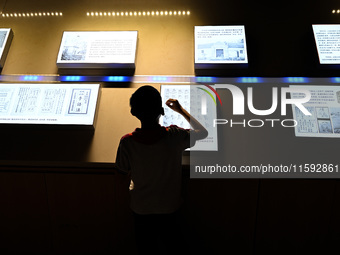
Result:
{"points": [[191, 98], [6, 36], [220, 45], [324, 107], [98, 49], [49, 104], [327, 39]]}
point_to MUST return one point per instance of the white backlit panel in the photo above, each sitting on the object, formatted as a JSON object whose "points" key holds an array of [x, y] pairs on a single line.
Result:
{"points": [[324, 107], [54, 104], [97, 49], [327, 38], [6, 36], [220, 45], [200, 104]]}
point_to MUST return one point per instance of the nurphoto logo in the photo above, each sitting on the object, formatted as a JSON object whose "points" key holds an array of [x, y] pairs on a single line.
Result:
{"points": [[239, 104]]}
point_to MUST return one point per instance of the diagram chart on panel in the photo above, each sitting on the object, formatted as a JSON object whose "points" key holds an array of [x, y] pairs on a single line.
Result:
{"points": [[62, 104], [190, 97]]}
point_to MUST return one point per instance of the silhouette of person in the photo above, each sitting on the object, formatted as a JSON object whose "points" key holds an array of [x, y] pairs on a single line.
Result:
{"points": [[152, 155]]}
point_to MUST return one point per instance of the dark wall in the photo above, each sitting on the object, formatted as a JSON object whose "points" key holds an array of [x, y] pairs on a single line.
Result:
{"points": [[64, 210], [85, 210], [279, 36]]}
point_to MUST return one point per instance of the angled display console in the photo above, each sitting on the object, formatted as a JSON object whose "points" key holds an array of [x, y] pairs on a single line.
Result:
{"points": [[220, 46], [190, 98], [324, 107], [98, 49], [49, 104], [6, 36], [327, 39]]}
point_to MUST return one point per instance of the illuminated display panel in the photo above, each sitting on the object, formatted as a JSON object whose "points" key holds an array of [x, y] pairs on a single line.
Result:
{"points": [[190, 97], [324, 107], [6, 36], [51, 104], [220, 45], [327, 39], [98, 49]]}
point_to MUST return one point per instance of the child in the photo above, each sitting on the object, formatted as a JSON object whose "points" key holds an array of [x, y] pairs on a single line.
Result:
{"points": [[152, 155]]}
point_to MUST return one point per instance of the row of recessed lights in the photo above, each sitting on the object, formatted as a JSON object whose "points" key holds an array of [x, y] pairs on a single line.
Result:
{"points": [[31, 14], [108, 14], [99, 14], [138, 13]]}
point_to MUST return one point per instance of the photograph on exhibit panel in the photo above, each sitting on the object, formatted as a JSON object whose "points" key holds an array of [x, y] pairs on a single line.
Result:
{"points": [[220, 45]]}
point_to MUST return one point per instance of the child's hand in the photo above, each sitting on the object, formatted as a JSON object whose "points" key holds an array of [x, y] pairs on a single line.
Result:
{"points": [[200, 131], [174, 105]]}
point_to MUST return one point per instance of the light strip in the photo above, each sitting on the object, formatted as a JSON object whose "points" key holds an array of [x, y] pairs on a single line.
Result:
{"points": [[151, 13], [31, 14], [296, 79], [167, 79], [250, 80], [336, 11]]}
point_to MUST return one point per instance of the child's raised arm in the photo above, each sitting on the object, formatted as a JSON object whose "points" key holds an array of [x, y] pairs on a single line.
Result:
{"points": [[201, 131]]}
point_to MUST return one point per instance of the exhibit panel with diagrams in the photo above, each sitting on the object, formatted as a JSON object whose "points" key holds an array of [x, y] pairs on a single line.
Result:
{"points": [[6, 36], [324, 107], [190, 97], [49, 104]]}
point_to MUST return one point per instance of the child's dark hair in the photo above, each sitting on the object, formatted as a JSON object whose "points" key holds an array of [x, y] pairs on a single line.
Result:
{"points": [[146, 103]]}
